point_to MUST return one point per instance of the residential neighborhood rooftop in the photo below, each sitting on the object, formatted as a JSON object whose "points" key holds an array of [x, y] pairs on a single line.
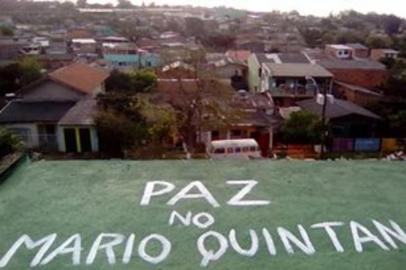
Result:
{"points": [[297, 70], [338, 108], [89, 198], [80, 76], [351, 64], [27, 112], [82, 113]]}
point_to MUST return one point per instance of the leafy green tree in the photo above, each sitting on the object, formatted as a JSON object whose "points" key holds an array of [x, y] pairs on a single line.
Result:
{"points": [[302, 128], [30, 70], [10, 76], [391, 24], [161, 121], [379, 42], [81, 3], [397, 122], [137, 81], [121, 122], [118, 132], [9, 142], [6, 31], [195, 27], [124, 4]]}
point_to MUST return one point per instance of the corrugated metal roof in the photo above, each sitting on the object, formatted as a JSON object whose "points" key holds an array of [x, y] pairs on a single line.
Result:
{"points": [[298, 70], [337, 109]]}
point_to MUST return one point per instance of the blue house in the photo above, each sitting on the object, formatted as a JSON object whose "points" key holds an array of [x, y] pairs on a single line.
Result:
{"points": [[124, 57]]}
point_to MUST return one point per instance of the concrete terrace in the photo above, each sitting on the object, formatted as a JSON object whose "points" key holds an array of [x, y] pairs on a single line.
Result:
{"points": [[94, 197]]}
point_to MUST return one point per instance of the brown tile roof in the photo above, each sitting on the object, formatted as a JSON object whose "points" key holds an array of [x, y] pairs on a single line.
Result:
{"points": [[81, 77]]}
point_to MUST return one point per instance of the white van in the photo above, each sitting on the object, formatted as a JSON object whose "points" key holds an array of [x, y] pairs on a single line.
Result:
{"points": [[234, 149]]}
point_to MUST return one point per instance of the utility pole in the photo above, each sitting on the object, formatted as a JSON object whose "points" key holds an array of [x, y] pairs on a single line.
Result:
{"points": [[323, 112], [323, 123]]}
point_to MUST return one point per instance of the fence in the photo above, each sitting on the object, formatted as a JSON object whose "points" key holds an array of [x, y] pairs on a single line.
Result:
{"points": [[385, 145], [44, 142]]}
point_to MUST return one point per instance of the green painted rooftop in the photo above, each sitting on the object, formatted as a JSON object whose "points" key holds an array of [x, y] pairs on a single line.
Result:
{"points": [[91, 204]]}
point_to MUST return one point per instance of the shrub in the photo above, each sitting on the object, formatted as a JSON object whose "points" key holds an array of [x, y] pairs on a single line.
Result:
{"points": [[302, 128], [9, 142]]}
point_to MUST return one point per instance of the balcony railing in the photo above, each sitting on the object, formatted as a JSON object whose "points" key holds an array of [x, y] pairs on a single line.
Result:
{"points": [[284, 91]]}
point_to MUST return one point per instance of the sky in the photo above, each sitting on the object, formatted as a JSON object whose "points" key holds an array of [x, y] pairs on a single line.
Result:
{"points": [[305, 7]]}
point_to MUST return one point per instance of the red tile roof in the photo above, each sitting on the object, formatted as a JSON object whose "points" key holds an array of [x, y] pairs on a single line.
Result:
{"points": [[81, 77]]}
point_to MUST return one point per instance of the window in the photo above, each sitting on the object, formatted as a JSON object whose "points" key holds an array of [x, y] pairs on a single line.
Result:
{"points": [[260, 72], [246, 149], [238, 149], [220, 151], [230, 150], [253, 149]]}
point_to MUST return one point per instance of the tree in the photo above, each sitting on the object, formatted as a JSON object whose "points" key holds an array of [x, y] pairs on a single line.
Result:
{"points": [[395, 85], [391, 24], [129, 30], [81, 3], [30, 69], [200, 105], [302, 128], [10, 76], [6, 31], [124, 4], [195, 27], [9, 142], [219, 41], [379, 42], [118, 132], [120, 121], [142, 80], [161, 121], [17, 75]]}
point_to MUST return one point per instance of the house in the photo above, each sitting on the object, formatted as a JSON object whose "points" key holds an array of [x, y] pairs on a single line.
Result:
{"points": [[346, 119], [78, 34], [148, 44], [128, 56], [256, 60], [177, 70], [256, 120], [290, 82], [362, 72], [84, 46], [379, 54], [10, 48], [359, 50], [231, 68], [255, 117], [238, 56], [342, 62], [356, 94], [55, 113], [339, 51], [76, 128]]}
